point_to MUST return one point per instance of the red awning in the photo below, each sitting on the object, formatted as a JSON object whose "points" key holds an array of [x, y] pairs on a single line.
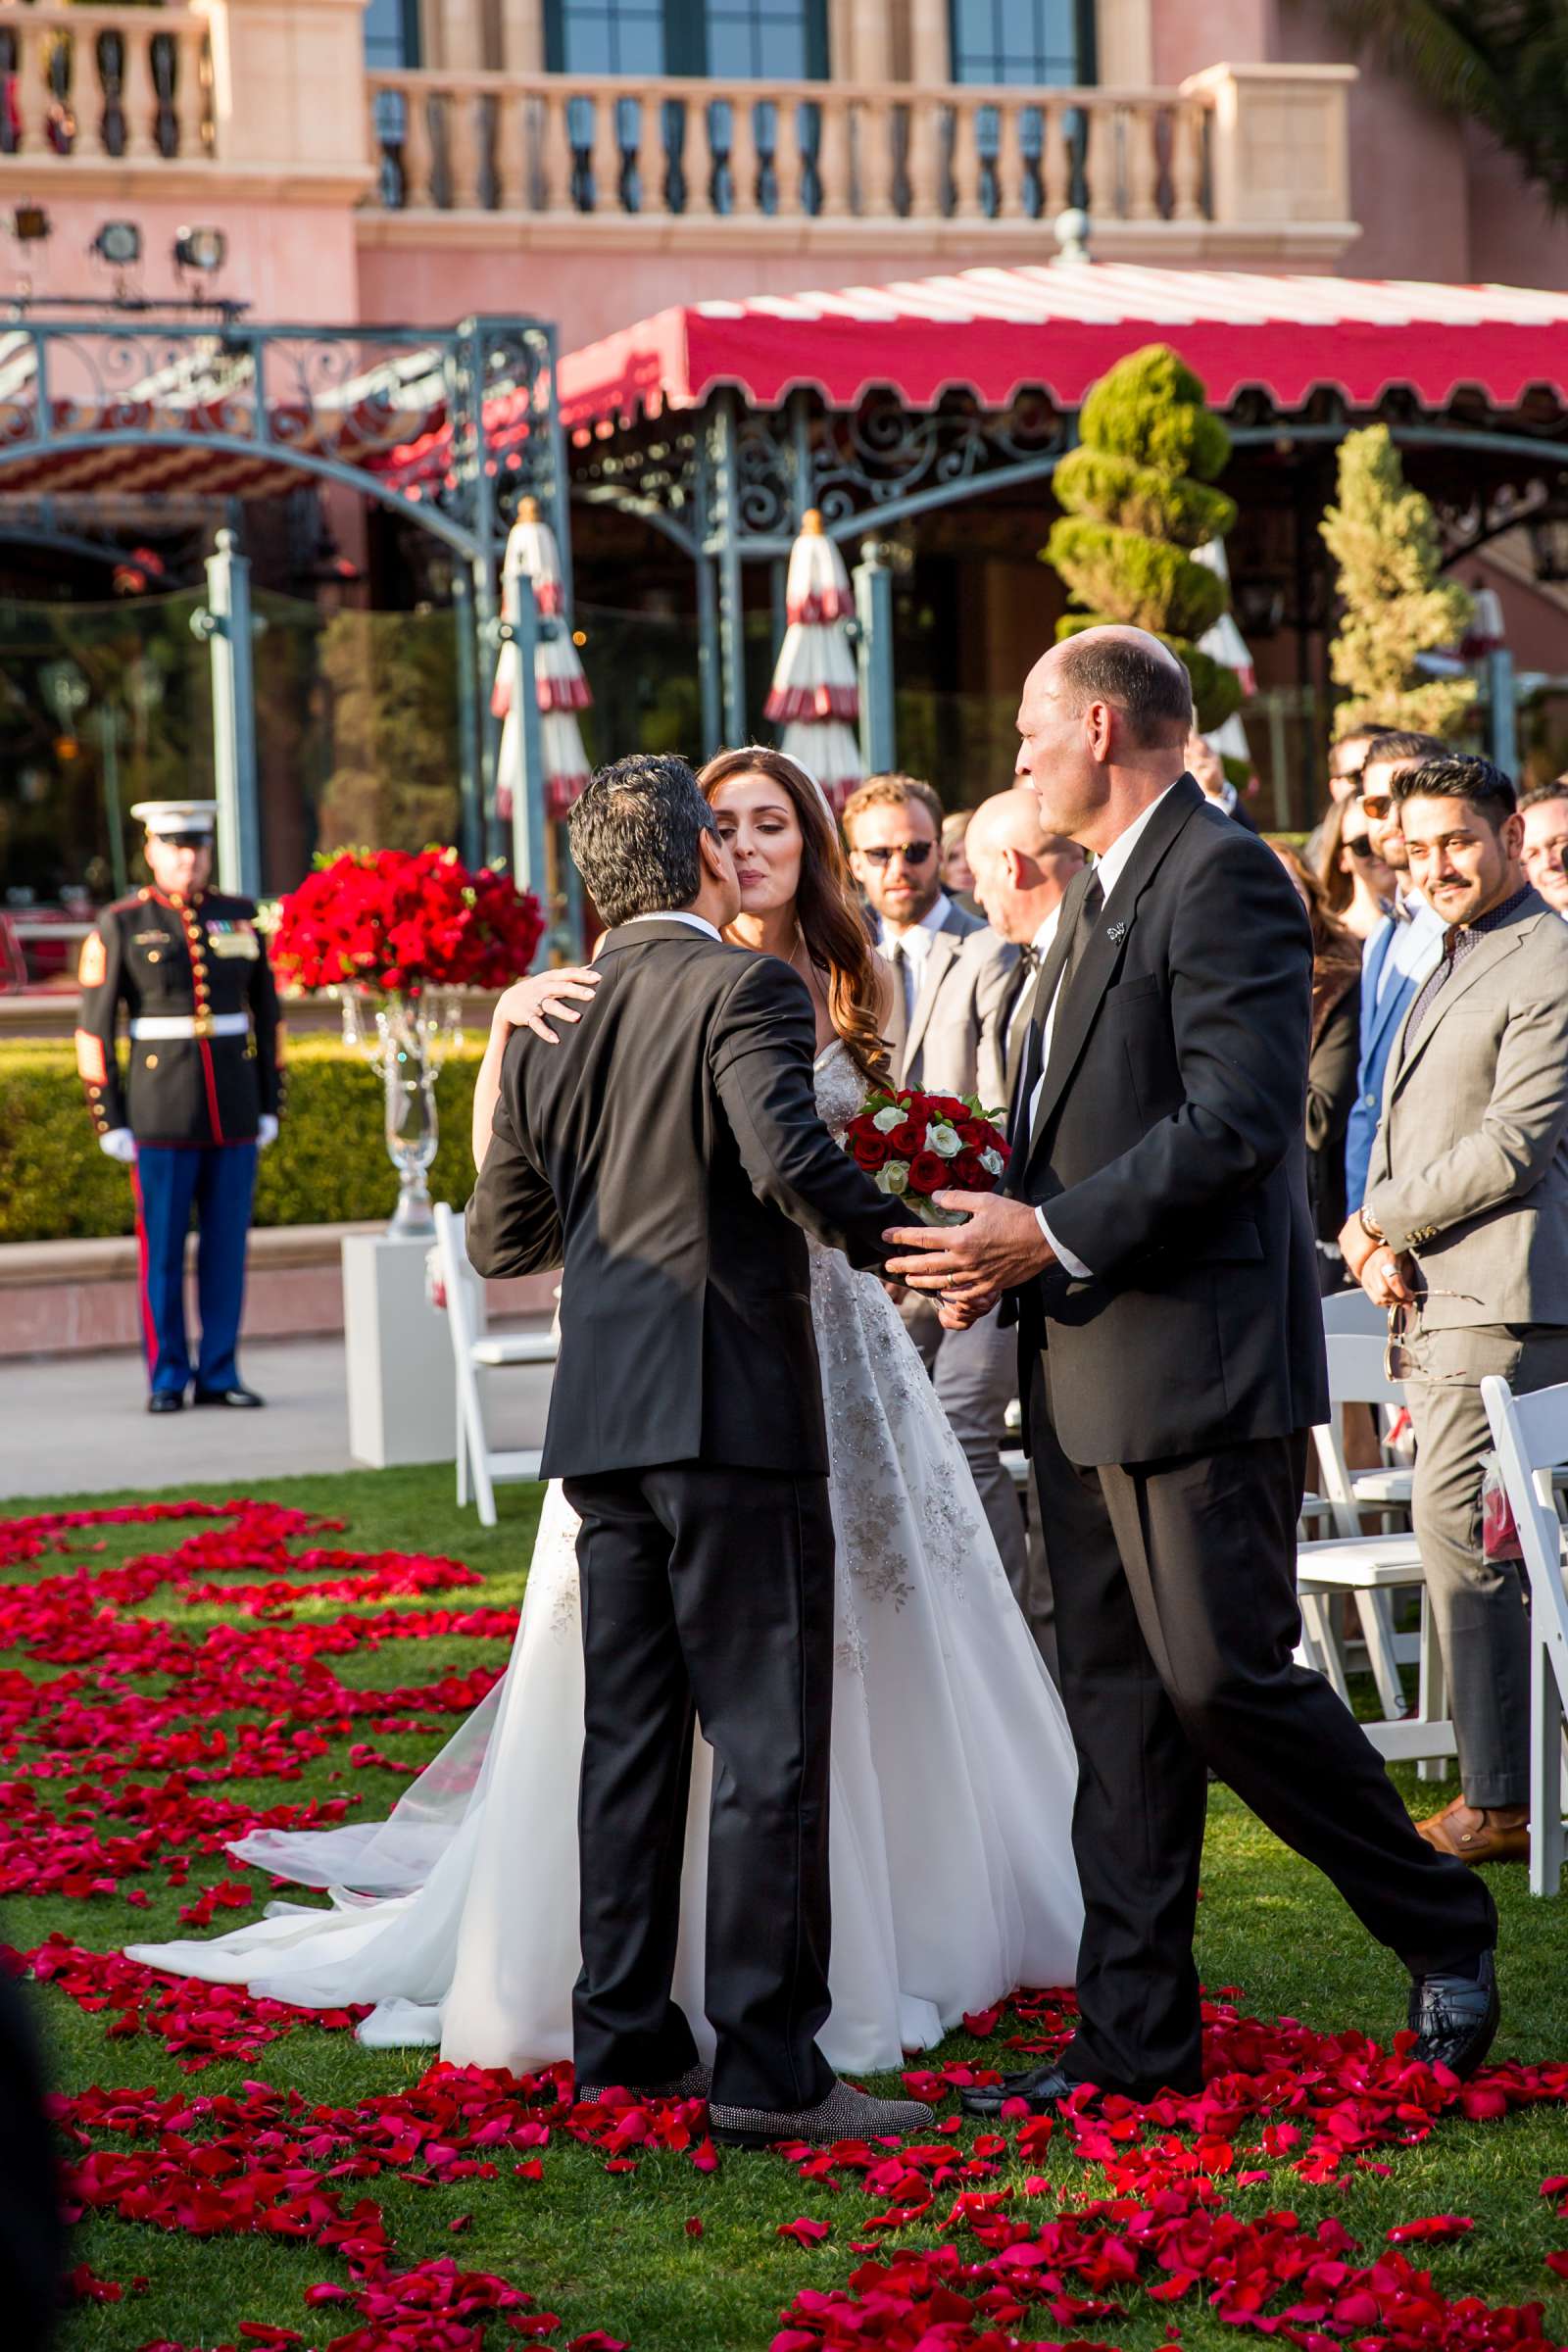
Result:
{"points": [[1058, 327]]}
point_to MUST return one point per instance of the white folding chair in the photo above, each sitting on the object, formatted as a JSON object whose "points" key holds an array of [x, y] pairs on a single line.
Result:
{"points": [[1372, 1568], [474, 1349], [1530, 1436]]}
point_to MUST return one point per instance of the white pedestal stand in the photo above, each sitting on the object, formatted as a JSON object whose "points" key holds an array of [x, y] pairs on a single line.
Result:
{"points": [[401, 1382]]}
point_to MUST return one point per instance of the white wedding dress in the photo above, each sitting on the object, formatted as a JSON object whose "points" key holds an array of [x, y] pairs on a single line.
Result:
{"points": [[952, 1775]]}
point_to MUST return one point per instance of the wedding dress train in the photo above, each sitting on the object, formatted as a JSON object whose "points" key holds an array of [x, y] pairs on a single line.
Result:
{"points": [[952, 1775]]}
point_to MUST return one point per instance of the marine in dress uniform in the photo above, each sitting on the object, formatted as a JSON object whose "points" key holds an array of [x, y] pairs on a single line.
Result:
{"points": [[204, 1090]]}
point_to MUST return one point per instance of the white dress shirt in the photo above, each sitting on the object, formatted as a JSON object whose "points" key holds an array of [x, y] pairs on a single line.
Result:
{"points": [[673, 914], [1109, 867], [915, 944]]}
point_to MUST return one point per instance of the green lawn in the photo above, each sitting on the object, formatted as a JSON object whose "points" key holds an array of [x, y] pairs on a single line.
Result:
{"points": [[615, 2251]]}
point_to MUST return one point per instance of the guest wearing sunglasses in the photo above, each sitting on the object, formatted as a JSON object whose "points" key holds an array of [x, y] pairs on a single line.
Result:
{"points": [[1357, 887], [1400, 952], [1348, 759]]}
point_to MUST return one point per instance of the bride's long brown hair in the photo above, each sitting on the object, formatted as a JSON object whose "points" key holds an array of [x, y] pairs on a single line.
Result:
{"points": [[826, 906]]}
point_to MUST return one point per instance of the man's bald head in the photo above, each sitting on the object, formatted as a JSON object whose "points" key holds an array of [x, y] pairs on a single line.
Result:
{"points": [[1103, 729], [1021, 868]]}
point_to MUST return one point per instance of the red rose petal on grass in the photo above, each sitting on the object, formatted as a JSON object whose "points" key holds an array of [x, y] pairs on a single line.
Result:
{"points": [[805, 2230], [1436, 2227]]}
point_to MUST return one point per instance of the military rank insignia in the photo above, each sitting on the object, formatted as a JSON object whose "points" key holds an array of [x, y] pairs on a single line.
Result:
{"points": [[94, 962]]}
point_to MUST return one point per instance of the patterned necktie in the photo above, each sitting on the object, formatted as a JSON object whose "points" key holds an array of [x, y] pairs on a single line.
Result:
{"points": [[897, 1037], [1016, 1026]]}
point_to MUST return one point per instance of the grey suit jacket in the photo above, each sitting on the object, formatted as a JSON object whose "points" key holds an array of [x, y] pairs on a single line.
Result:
{"points": [[954, 1045], [1470, 1163]]}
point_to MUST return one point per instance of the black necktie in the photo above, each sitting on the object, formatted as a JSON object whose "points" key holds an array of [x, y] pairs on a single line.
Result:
{"points": [[1089, 907], [1032, 1066]]}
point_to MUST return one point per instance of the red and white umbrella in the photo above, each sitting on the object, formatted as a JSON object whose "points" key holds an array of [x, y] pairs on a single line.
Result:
{"points": [[1225, 644], [559, 687], [815, 695]]}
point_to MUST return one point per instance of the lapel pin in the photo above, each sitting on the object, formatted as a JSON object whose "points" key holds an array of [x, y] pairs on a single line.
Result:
{"points": [[1116, 934]]}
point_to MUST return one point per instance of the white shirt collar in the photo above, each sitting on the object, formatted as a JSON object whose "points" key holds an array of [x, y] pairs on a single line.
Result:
{"points": [[1041, 943], [1112, 863], [674, 914], [919, 938]]}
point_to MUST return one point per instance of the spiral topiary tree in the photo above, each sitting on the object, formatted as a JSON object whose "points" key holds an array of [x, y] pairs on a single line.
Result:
{"points": [[1138, 497], [1397, 605]]}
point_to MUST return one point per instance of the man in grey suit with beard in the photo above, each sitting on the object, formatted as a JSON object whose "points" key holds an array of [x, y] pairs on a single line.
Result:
{"points": [[952, 978], [1465, 1235]]}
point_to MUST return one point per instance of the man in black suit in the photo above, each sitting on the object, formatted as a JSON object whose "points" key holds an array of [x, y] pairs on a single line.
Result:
{"points": [[1157, 1242], [668, 1156]]}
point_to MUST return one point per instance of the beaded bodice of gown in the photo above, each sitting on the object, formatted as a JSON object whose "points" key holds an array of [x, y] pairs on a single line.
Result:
{"points": [[889, 1500]]}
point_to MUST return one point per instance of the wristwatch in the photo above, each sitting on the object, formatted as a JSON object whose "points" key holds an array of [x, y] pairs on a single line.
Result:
{"points": [[1371, 1228]]}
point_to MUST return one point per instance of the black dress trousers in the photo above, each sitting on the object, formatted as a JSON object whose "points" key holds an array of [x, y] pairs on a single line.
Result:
{"points": [[706, 1597], [1177, 1620]]}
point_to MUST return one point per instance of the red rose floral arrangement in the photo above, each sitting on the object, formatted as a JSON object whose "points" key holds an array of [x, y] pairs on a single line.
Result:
{"points": [[401, 921], [913, 1146]]}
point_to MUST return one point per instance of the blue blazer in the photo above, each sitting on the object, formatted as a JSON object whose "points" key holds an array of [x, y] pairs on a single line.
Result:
{"points": [[1381, 1019]]}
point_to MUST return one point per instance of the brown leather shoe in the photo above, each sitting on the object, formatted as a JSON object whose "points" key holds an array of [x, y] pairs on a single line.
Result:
{"points": [[1488, 1841]]}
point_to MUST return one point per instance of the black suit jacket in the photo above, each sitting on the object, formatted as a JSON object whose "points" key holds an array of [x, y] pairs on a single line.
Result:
{"points": [[1168, 1153], [667, 1154]]}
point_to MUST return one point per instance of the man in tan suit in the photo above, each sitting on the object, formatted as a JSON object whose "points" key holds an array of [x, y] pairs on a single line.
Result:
{"points": [[1465, 1236], [1021, 873], [950, 976]]}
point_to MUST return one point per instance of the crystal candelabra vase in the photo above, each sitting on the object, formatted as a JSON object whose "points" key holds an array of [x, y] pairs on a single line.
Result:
{"points": [[407, 1038]]}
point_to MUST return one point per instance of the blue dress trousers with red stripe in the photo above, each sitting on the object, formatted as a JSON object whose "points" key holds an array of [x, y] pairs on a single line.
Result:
{"points": [[204, 1066]]}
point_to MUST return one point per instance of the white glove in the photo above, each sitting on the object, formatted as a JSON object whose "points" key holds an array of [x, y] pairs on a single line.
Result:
{"points": [[266, 1130], [120, 1144]]}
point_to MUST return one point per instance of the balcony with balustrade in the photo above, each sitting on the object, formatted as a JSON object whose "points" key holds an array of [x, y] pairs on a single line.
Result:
{"points": [[1230, 167], [358, 188]]}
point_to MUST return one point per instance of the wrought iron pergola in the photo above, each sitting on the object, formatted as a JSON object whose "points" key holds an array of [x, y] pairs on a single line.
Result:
{"points": [[135, 402], [727, 484]]}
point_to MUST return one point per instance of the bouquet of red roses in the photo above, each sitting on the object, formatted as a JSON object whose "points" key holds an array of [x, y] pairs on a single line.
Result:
{"points": [[914, 1145], [401, 921]]}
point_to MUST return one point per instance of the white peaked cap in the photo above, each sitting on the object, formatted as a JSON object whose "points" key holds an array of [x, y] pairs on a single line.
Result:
{"points": [[169, 819]]}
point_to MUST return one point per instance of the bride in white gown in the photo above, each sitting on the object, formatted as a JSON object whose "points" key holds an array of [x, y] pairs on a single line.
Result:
{"points": [[952, 1767]]}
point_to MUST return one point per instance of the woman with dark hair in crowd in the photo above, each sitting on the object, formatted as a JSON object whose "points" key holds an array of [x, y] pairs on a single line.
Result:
{"points": [[1355, 885], [1335, 1048]]}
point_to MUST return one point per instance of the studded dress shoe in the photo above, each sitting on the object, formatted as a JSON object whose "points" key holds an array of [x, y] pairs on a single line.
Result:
{"points": [[167, 1400], [1042, 2090], [844, 2113], [695, 2084], [235, 1396], [1455, 2018]]}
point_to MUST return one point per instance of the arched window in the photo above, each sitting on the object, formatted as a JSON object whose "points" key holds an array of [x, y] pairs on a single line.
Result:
{"points": [[1044, 42], [733, 40]]}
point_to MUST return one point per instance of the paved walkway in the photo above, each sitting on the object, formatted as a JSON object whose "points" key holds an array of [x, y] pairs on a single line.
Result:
{"points": [[77, 1424]]}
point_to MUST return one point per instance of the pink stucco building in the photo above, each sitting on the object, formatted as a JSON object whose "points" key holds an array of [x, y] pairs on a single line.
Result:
{"points": [[594, 162]]}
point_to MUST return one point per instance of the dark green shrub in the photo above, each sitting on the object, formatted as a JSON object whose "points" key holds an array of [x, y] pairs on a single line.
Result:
{"points": [[1136, 501], [328, 1166]]}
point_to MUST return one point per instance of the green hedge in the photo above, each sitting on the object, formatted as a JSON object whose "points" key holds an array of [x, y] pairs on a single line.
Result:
{"points": [[329, 1166]]}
